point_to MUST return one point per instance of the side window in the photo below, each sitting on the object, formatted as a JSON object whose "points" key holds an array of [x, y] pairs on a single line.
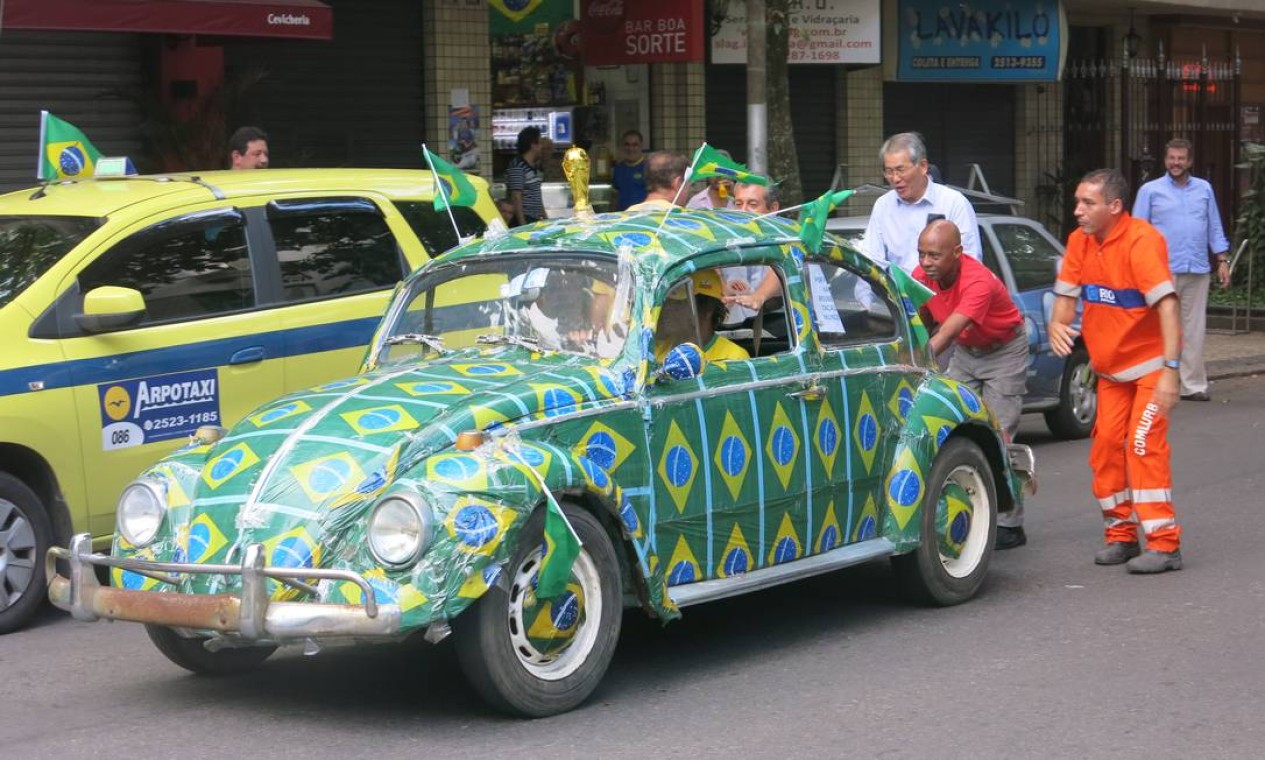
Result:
{"points": [[333, 252], [187, 269], [849, 309], [990, 254], [1034, 259], [434, 228], [694, 311]]}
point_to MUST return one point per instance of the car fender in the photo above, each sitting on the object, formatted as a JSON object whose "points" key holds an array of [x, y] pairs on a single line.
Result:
{"points": [[941, 408]]}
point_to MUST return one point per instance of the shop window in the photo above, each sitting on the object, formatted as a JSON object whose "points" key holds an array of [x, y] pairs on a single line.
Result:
{"points": [[185, 270]]}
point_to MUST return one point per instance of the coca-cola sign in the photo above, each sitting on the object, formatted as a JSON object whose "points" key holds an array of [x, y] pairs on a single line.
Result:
{"points": [[646, 31]]}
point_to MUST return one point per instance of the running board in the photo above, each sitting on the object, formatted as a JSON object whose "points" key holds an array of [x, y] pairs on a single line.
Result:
{"points": [[835, 559]]}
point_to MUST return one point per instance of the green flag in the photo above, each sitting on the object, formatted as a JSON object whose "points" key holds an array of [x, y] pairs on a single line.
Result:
{"points": [[65, 152], [813, 216], [709, 162], [914, 295], [562, 546], [451, 186]]}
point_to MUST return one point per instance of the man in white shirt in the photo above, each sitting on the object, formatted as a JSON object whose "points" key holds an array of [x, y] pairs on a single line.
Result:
{"points": [[902, 213]]}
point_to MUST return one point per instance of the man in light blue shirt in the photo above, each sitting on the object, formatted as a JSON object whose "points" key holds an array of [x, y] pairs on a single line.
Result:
{"points": [[1184, 210], [901, 214]]}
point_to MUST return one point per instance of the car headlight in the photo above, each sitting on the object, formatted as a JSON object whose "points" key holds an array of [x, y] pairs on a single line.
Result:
{"points": [[399, 529], [140, 512]]}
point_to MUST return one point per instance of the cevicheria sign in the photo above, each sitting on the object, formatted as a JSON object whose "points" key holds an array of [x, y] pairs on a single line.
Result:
{"points": [[640, 31]]}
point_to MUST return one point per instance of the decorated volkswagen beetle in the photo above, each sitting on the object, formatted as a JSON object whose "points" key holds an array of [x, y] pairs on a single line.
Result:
{"points": [[590, 435]]}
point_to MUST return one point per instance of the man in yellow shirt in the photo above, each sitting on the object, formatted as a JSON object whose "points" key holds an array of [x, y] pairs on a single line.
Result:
{"points": [[675, 321]]}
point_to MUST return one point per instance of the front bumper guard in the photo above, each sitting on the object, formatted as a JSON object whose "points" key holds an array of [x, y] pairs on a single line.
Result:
{"points": [[1024, 462], [251, 616]]}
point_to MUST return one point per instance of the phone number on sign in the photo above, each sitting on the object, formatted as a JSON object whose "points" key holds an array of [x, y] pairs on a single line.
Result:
{"points": [[179, 421]]}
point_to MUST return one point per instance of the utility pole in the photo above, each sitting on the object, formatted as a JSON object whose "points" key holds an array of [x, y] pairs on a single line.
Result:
{"points": [[757, 95]]}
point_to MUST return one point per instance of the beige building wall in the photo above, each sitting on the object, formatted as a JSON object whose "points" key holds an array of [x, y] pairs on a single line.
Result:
{"points": [[458, 55]]}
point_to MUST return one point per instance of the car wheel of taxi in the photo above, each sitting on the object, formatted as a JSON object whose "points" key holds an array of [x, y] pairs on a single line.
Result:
{"points": [[191, 653], [537, 657], [959, 525], [1074, 417], [25, 537]]}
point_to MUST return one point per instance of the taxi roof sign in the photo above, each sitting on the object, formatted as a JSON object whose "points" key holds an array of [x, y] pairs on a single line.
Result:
{"points": [[114, 166]]}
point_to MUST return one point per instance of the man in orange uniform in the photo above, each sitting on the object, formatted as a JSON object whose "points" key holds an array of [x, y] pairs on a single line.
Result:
{"points": [[1132, 324]]}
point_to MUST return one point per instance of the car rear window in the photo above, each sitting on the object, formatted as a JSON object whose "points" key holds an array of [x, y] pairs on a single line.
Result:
{"points": [[30, 245], [434, 228]]}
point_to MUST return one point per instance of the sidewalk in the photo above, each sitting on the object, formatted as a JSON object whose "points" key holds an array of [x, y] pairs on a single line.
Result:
{"points": [[1234, 355]]}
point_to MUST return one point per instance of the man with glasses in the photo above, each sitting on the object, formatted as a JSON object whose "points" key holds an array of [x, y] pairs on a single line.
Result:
{"points": [[901, 214], [628, 181]]}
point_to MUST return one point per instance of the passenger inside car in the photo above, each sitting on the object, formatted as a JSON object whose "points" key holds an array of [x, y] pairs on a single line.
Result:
{"points": [[683, 321]]}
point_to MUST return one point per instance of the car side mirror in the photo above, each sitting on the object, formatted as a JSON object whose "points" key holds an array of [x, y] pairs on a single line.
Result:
{"points": [[684, 362], [110, 308]]}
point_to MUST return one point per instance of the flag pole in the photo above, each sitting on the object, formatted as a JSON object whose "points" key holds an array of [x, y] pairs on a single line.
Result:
{"points": [[39, 160], [442, 193]]}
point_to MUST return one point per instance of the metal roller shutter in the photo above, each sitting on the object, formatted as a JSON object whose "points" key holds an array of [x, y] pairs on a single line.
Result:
{"points": [[353, 101], [77, 77], [962, 124], [812, 114]]}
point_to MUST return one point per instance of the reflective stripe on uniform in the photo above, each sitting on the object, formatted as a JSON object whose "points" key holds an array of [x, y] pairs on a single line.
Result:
{"points": [[1154, 295], [1152, 495], [1130, 374], [1150, 526], [1114, 500]]}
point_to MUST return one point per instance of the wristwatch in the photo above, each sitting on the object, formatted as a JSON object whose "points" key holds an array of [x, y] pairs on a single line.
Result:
{"points": [[1173, 364]]}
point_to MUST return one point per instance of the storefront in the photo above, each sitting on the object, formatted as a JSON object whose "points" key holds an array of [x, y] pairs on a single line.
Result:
{"points": [[108, 65]]}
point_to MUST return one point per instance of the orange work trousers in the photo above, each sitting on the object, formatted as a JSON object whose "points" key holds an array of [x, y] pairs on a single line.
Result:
{"points": [[1130, 458]]}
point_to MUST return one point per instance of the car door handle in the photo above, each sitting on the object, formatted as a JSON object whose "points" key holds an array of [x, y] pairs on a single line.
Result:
{"points": [[247, 355], [812, 392]]}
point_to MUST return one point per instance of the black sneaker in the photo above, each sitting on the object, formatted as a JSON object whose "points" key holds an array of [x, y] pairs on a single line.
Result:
{"points": [[1155, 562], [1116, 553], [1009, 538]]}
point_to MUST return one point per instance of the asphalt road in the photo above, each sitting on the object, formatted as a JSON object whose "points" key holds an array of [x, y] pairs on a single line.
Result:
{"points": [[1056, 658]]}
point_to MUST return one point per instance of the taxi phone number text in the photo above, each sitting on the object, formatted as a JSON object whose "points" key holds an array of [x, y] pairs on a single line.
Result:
{"points": [[166, 423]]}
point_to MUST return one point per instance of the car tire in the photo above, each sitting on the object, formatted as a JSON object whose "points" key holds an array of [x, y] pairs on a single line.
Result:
{"points": [[26, 533], [493, 638], [1073, 418], [192, 654], [957, 544]]}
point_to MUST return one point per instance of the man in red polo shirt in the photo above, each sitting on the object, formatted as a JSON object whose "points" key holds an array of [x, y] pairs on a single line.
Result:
{"points": [[972, 311]]}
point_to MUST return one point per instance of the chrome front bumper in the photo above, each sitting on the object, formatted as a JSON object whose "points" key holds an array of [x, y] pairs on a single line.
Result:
{"points": [[1024, 462], [250, 616]]}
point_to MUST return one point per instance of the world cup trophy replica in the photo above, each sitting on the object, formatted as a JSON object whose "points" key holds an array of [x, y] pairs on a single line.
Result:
{"points": [[575, 165]]}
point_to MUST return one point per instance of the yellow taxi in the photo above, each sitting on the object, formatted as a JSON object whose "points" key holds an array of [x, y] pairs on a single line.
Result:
{"points": [[134, 310]]}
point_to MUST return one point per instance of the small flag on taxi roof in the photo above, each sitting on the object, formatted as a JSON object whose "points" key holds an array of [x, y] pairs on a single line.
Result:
{"points": [[709, 162], [451, 186], [813, 216], [65, 152]]}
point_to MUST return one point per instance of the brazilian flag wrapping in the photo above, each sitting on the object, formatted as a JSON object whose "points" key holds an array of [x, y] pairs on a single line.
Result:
{"points": [[813, 216], [65, 152], [709, 162], [914, 295], [562, 546], [451, 186]]}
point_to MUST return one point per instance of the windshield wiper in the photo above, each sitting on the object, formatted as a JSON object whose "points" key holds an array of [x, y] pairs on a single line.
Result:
{"points": [[430, 341], [531, 344]]}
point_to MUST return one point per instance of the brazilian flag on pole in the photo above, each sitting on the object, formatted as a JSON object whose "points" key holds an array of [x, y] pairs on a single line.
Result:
{"points": [[914, 295], [451, 186], [65, 152], [709, 162], [562, 546], [813, 216]]}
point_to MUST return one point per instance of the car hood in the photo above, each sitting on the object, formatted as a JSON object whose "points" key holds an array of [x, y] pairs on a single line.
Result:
{"points": [[294, 471]]}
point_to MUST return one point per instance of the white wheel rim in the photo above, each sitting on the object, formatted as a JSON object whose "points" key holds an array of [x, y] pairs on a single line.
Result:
{"points": [[17, 554], [969, 479], [562, 664]]}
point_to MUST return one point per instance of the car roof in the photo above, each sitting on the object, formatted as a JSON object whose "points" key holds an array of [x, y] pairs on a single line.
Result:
{"points": [[686, 233], [100, 197]]}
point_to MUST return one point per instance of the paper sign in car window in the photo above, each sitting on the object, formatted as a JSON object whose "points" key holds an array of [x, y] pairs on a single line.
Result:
{"points": [[160, 408], [824, 309]]}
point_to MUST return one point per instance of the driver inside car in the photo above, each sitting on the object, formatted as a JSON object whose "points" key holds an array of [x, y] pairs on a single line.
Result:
{"points": [[677, 324]]}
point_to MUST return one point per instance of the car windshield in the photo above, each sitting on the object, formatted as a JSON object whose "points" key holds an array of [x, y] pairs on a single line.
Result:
{"points": [[29, 245], [575, 303]]}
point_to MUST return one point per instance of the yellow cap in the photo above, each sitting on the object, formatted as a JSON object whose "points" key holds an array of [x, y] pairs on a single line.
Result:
{"points": [[708, 283]]}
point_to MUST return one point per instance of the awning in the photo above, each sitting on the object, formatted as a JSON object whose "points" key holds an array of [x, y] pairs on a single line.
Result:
{"points": [[293, 19]]}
